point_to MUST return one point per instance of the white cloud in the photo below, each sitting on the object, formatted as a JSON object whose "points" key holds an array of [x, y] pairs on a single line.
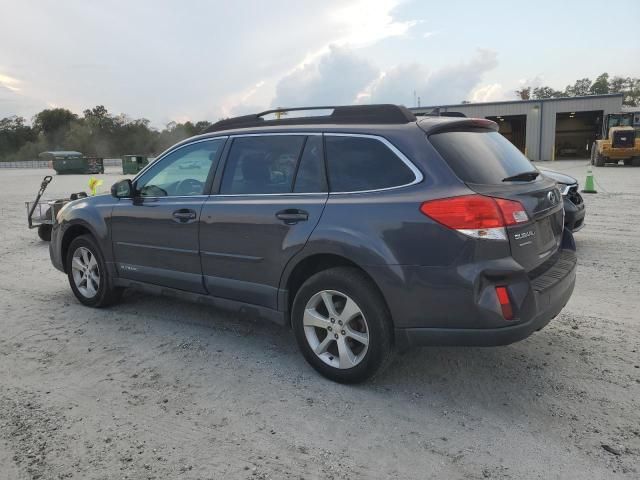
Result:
{"points": [[343, 77], [10, 83], [492, 92], [335, 78]]}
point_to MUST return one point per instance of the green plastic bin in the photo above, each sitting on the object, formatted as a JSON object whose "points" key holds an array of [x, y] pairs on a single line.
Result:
{"points": [[68, 162], [132, 164]]}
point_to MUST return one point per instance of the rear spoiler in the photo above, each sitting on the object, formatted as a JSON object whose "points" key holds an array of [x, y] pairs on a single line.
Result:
{"points": [[439, 124]]}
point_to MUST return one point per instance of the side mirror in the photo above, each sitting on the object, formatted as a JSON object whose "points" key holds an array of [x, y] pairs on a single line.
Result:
{"points": [[122, 189]]}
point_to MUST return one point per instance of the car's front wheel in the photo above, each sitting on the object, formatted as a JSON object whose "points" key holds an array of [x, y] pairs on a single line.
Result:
{"points": [[87, 273], [342, 325]]}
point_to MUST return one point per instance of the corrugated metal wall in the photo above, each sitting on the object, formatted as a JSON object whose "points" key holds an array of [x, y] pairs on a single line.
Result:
{"points": [[541, 116]]}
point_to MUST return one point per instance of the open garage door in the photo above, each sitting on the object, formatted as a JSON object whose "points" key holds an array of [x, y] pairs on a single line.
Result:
{"points": [[514, 128], [575, 134]]}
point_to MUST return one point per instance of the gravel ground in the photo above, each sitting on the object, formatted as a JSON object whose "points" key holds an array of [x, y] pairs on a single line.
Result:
{"points": [[160, 388]]}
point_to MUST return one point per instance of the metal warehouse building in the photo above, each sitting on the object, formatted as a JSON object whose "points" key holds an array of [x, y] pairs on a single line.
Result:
{"points": [[549, 129]]}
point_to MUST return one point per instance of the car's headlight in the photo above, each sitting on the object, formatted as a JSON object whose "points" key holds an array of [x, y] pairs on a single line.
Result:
{"points": [[564, 188]]}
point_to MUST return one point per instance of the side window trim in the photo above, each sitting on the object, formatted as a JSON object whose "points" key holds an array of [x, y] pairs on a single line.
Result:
{"points": [[418, 177], [169, 151], [294, 177]]}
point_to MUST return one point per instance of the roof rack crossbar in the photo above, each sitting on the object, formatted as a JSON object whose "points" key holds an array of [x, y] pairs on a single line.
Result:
{"points": [[343, 114]]}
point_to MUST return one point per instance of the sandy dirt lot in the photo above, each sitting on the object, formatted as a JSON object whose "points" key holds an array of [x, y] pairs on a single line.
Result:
{"points": [[156, 388]]}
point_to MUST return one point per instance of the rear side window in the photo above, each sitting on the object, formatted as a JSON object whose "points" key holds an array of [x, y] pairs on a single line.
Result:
{"points": [[480, 156], [360, 163], [262, 164]]}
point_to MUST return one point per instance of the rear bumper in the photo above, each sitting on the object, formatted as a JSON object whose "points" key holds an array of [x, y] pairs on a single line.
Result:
{"points": [[550, 302], [458, 305]]}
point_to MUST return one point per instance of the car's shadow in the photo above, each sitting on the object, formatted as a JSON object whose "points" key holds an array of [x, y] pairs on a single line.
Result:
{"points": [[508, 375]]}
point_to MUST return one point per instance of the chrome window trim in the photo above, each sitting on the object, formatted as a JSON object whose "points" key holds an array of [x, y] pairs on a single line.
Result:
{"points": [[289, 194], [273, 134], [418, 177], [169, 151], [416, 172]]}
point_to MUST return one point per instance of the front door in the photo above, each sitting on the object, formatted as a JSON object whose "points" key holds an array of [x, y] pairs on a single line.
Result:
{"points": [[155, 234], [271, 197]]}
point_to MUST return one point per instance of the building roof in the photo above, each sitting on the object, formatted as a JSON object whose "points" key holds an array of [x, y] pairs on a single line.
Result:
{"points": [[506, 102]]}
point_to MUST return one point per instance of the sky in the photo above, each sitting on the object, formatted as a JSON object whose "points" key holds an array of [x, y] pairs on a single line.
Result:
{"points": [[205, 60]]}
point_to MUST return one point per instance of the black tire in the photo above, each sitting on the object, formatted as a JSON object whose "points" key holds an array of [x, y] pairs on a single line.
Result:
{"points": [[635, 161], [44, 232], [356, 285], [628, 162], [105, 294], [599, 160]]}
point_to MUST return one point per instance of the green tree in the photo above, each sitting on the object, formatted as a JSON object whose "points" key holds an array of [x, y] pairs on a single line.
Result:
{"points": [[14, 133], [581, 88], [546, 92], [601, 85], [53, 124], [524, 93]]}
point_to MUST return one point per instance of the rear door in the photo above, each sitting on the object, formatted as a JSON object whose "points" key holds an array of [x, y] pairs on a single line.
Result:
{"points": [[270, 198], [490, 165]]}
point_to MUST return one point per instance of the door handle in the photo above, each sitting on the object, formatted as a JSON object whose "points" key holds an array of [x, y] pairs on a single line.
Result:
{"points": [[291, 216], [184, 215]]}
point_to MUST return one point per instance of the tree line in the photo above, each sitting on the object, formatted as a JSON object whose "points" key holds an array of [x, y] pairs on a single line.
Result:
{"points": [[602, 85], [94, 133], [100, 133]]}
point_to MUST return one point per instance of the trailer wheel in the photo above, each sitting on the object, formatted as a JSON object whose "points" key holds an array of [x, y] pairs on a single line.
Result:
{"points": [[44, 232]]}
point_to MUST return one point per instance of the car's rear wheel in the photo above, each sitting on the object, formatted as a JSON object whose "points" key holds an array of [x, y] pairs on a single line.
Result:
{"points": [[87, 273], [342, 325]]}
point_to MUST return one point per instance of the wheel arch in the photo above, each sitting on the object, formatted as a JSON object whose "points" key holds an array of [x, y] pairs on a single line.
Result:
{"points": [[72, 232], [305, 267]]}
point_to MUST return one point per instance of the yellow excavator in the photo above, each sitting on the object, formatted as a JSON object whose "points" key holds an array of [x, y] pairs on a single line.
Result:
{"points": [[618, 141]]}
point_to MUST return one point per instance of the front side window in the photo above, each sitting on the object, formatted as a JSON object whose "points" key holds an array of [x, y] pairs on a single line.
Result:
{"points": [[360, 163], [262, 164], [183, 172]]}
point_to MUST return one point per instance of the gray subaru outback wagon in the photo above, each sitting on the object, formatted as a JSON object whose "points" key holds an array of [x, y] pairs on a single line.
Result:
{"points": [[364, 229]]}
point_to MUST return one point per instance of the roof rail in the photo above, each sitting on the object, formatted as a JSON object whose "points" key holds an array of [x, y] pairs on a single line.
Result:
{"points": [[346, 114]]}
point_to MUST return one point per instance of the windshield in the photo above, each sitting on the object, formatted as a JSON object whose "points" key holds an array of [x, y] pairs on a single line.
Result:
{"points": [[480, 156], [620, 121]]}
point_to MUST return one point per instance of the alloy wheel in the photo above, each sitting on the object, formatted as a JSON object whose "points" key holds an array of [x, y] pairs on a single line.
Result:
{"points": [[336, 329], [86, 273]]}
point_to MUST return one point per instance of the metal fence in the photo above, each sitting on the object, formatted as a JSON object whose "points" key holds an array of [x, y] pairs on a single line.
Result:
{"points": [[108, 162]]}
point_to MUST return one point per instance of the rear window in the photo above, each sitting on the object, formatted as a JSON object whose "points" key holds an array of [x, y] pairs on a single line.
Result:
{"points": [[361, 163], [480, 157]]}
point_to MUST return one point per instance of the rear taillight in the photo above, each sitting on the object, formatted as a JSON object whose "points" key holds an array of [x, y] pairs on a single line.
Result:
{"points": [[476, 215], [505, 303]]}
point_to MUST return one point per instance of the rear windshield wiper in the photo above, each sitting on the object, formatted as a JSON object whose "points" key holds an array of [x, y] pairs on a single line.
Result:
{"points": [[522, 177]]}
